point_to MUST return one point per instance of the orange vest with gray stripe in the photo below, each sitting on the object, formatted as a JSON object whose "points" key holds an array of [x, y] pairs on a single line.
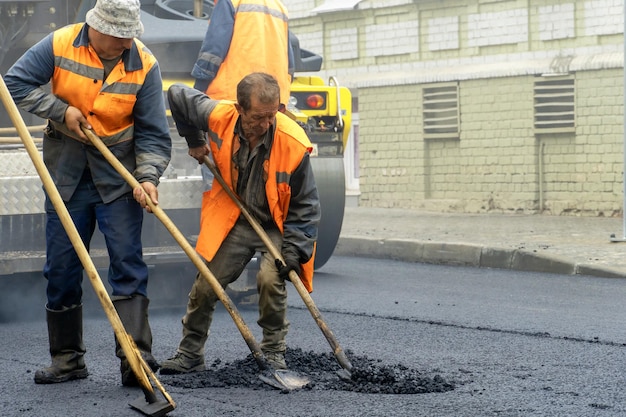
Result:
{"points": [[259, 44], [219, 213], [77, 79]]}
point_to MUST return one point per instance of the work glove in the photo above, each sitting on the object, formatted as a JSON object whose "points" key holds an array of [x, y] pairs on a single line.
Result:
{"points": [[291, 264]]}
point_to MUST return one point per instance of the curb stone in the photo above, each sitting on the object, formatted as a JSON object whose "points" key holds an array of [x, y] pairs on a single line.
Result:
{"points": [[467, 254]]}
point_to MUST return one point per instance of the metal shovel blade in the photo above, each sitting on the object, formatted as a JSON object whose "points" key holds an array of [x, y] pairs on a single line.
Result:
{"points": [[344, 374], [284, 379], [152, 409]]}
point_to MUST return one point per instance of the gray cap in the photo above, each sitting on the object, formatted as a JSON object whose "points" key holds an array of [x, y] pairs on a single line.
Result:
{"points": [[119, 18]]}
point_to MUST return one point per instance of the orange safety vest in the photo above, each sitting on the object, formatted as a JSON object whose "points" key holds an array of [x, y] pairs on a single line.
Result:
{"points": [[259, 44], [219, 213], [77, 80]]}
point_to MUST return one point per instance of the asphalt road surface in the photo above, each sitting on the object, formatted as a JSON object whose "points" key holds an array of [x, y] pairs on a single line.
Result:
{"points": [[510, 343]]}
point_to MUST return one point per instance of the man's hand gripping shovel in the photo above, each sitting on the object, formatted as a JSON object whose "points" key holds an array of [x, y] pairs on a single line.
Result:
{"points": [[151, 405], [293, 276]]}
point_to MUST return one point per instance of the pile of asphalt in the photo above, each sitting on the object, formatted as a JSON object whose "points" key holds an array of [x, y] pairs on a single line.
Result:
{"points": [[367, 376]]}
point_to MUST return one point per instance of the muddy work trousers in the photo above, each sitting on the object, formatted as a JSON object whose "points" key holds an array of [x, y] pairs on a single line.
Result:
{"points": [[227, 265]]}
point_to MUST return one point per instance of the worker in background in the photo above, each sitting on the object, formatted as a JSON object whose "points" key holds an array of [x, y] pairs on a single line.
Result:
{"points": [[103, 79], [243, 36], [264, 156]]}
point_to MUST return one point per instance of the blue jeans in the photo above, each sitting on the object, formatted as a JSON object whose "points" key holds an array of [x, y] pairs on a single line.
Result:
{"points": [[119, 221]]}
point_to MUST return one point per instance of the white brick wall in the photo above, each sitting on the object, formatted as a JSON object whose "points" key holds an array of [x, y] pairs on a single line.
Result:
{"points": [[498, 28], [604, 17], [556, 22], [392, 38], [344, 44], [443, 33], [494, 49]]}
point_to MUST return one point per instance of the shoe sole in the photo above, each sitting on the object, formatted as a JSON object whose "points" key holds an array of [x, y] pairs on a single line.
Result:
{"points": [[80, 374]]}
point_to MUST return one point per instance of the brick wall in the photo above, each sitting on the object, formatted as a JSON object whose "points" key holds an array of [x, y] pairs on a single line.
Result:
{"points": [[387, 52]]}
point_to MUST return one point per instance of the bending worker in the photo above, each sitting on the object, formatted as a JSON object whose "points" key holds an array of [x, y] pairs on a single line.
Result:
{"points": [[102, 79], [264, 155]]}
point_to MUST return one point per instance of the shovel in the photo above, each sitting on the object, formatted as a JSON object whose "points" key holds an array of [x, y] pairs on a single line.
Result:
{"points": [[293, 276], [279, 378], [150, 406]]}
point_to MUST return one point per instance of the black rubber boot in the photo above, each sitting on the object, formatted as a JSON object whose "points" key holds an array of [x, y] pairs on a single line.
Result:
{"points": [[65, 333], [133, 312]]}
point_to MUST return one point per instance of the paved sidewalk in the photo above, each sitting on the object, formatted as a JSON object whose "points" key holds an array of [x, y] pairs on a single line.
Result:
{"points": [[557, 244]]}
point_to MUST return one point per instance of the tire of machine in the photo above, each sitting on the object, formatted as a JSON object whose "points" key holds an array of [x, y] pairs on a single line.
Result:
{"points": [[331, 186]]}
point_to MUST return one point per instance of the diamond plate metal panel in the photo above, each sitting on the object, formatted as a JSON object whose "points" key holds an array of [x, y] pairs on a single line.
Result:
{"points": [[21, 188], [16, 164], [22, 195], [181, 193]]}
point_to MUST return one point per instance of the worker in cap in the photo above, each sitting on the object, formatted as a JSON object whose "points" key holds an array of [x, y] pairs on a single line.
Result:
{"points": [[103, 78], [117, 18]]}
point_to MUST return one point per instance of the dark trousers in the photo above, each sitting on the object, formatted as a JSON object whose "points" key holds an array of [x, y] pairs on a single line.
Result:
{"points": [[227, 265], [119, 221]]}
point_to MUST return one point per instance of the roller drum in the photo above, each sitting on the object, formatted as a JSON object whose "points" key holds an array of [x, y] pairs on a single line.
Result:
{"points": [[331, 185]]}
